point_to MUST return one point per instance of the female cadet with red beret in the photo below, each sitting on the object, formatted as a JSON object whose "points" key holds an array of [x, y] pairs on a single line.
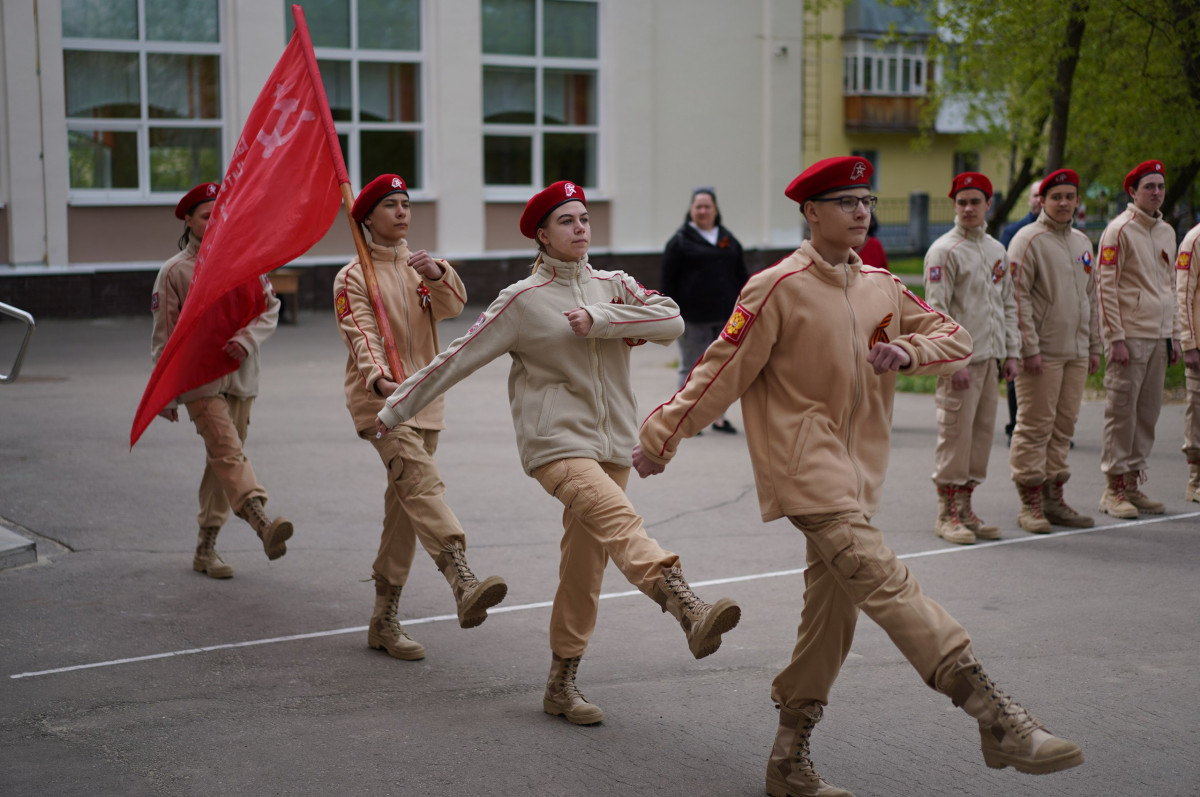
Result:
{"points": [[417, 292], [221, 408], [813, 344], [569, 328]]}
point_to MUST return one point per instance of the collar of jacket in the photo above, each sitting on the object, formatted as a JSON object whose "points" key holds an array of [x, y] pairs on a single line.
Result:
{"points": [[564, 269], [971, 233], [1058, 226], [389, 253], [192, 248], [1144, 218], [840, 274]]}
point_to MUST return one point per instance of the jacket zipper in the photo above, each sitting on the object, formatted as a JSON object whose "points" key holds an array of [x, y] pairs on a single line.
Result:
{"points": [[403, 304], [857, 386], [597, 369]]}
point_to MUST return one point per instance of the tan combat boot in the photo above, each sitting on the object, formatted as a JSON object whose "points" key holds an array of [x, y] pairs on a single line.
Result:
{"points": [[1009, 735], [1031, 517], [1133, 493], [207, 560], [474, 597], [949, 525], [790, 771], [563, 698], [702, 622], [1193, 486], [967, 516], [1057, 511], [385, 631], [1115, 502], [274, 533]]}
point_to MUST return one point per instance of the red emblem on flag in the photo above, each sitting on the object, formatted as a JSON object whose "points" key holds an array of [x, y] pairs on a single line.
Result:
{"points": [[1108, 255], [283, 176], [735, 328]]}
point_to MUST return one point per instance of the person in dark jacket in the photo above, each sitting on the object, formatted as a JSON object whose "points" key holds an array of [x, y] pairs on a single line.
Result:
{"points": [[703, 270]]}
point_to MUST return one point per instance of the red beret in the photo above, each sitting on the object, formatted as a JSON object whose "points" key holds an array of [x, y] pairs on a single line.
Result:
{"points": [[205, 192], [1140, 171], [830, 174], [971, 180], [373, 193], [1057, 178], [538, 208]]}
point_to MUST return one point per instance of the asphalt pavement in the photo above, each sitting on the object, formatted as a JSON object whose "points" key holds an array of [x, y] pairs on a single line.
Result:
{"points": [[123, 672]]}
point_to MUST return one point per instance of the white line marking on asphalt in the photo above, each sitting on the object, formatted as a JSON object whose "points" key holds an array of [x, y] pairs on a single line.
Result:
{"points": [[608, 595]]}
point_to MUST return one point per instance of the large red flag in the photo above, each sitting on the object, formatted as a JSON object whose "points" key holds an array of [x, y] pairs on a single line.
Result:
{"points": [[280, 196]]}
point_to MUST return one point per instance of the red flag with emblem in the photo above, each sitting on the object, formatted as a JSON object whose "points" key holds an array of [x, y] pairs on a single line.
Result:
{"points": [[280, 196]]}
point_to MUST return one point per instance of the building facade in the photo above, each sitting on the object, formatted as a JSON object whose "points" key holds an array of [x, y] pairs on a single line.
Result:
{"points": [[113, 108]]}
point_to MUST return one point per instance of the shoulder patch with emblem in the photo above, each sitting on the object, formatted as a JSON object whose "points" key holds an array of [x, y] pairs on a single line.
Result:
{"points": [[998, 271], [154, 300], [1184, 263], [478, 322], [919, 301], [935, 273], [341, 303], [1108, 255], [735, 328]]}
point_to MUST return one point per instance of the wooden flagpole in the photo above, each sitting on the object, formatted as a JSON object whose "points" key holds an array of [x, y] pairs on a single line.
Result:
{"points": [[360, 243]]}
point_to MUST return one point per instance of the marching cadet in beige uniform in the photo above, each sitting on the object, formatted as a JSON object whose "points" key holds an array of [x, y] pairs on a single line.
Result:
{"points": [[1060, 345], [966, 278], [1141, 329], [1189, 343], [568, 329], [220, 409], [812, 349], [417, 292]]}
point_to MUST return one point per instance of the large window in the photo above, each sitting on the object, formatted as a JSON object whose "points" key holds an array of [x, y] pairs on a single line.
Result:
{"points": [[143, 96], [896, 69], [370, 56], [540, 92]]}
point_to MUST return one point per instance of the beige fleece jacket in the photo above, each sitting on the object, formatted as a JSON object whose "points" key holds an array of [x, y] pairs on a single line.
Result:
{"points": [[967, 278], [414, 306], [1187, 297], [1055, 290], [1134, 288], [170, 289], [818, 419], [570, 396]]}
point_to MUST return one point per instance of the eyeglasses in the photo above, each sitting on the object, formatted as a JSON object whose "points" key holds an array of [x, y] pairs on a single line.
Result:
{"points": [[849, 204]]}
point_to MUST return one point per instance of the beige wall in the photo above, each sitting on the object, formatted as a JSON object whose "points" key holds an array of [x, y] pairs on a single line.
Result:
{"points": [[503, 231]]}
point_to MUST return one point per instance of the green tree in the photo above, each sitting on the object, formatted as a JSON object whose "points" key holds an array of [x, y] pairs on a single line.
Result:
{"points": [[1097, 85]]}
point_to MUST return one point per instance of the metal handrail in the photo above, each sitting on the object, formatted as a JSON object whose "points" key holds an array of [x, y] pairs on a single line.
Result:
{"points": [[20, 315]]}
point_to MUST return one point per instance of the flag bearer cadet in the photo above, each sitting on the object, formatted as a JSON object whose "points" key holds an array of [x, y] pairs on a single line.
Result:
{"points": [[417, 292], [1060, 345], [220, 409], [569, 329], [1189, 343], [966, 278], [812, 349], [1141, 330]]}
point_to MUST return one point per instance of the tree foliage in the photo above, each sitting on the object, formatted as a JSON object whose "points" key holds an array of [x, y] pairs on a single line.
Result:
{"points": [[1096, 85]]}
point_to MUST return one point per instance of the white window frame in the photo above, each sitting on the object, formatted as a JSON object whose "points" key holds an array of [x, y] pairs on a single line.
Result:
{"points": [[143, 194], [901, 56], [352, 127], [537, 130]]}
